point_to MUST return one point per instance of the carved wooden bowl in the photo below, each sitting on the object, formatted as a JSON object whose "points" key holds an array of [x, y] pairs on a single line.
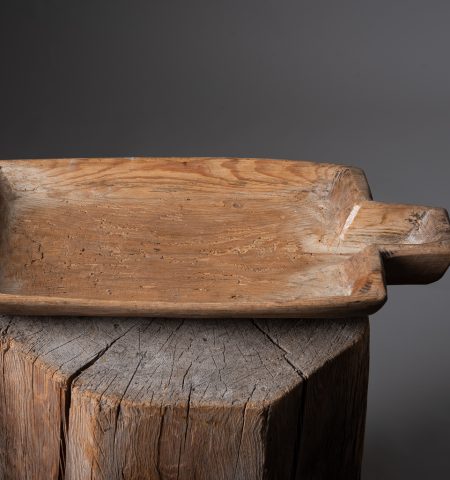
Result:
{"points": [[206, 237]]}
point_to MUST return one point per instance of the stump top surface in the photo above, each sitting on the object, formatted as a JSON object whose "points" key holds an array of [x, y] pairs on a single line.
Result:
{"points": [[171, 361]]}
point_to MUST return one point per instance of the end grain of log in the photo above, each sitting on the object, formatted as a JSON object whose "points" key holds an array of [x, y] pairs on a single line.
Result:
{"points": [[102, 398]]}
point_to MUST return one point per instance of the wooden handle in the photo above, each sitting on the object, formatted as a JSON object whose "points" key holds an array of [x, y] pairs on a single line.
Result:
{"points": [[414, 241]]}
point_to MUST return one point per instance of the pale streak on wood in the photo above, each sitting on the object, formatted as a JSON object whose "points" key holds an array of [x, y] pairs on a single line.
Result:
{"points": [[179, 399], [349, 221], [206, 237]]}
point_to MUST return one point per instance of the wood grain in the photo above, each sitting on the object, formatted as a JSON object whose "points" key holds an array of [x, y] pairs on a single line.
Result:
{"points": [[206, 237], [145, 399]]}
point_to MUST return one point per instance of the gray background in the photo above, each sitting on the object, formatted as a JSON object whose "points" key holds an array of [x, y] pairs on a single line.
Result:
{"points": [[353, 82]]}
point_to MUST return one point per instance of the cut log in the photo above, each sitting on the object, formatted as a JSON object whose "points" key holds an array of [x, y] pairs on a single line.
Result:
{"points": [[136, 398]]}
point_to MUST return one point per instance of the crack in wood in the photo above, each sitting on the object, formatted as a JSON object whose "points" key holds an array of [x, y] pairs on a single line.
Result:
{"points": [[301, 411], [244, 412], [285, 352], [64, 426]]}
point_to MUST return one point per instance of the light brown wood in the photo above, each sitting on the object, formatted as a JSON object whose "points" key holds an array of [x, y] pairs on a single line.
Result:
{"points": [[148, 399], [206, 237]]}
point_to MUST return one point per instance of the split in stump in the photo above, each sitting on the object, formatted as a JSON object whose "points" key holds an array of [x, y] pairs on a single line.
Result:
{"points": [[134, 398]]}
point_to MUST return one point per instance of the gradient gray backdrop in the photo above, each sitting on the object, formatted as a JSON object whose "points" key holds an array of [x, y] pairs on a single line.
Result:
{"points": [[365, 83]]}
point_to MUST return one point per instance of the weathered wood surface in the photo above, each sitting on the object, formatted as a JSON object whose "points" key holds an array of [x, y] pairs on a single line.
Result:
{"points": [[206, 237], [137, 399]]}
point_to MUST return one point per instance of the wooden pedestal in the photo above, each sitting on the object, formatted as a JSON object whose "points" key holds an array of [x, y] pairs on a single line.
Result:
{"points": [[134, 398]]}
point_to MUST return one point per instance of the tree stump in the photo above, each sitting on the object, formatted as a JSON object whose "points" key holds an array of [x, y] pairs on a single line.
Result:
{"points": [[136, 398]]}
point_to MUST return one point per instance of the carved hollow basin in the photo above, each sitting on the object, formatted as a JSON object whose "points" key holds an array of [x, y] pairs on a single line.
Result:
{"points": [[206, 237]]}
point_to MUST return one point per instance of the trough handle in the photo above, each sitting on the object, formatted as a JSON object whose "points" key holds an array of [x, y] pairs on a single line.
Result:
{"points": [[414, 241]]}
